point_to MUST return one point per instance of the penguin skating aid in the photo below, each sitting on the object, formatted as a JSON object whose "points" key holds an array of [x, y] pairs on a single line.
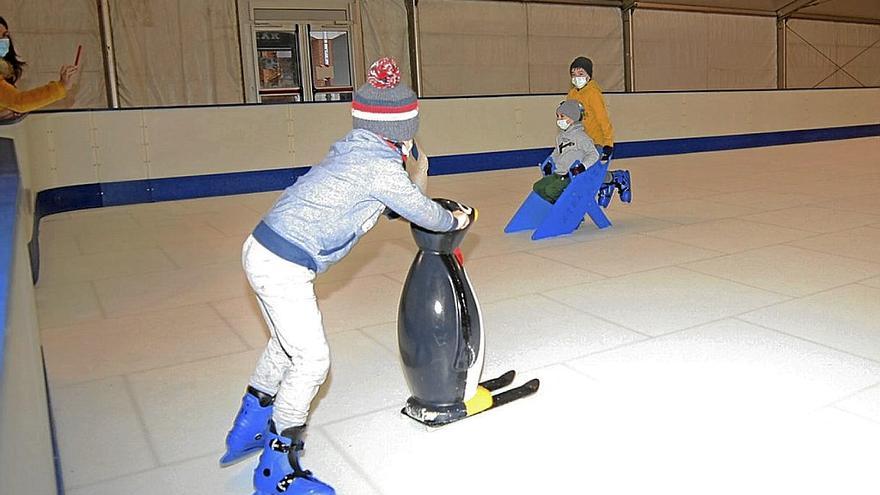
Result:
{"points": [[440, 335]]}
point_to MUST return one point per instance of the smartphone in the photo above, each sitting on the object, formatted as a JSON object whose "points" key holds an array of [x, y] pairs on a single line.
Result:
{"points": [[79, 50]]}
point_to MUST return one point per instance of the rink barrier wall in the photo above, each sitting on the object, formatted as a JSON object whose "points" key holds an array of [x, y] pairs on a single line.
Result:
{"points": [[28, 454], [106, 146], [78, 197], [9, 186]]}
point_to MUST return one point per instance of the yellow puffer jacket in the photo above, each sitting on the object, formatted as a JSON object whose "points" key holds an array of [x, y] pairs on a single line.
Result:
{"points": [[26, 101], [596, 121]]}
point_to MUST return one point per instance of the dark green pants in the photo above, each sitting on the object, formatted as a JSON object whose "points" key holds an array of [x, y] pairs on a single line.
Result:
{"points": [[551, 186]]}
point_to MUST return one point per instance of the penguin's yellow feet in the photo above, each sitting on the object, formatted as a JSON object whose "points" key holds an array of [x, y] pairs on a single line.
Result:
{"points": [[481, 401]]}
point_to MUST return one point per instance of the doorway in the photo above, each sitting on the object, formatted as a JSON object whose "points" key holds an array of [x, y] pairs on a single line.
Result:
{"points": [[301, 55]]}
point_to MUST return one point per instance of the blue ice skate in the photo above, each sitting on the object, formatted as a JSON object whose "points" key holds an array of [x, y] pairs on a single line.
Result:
{"points": [[622, 180], [249, 428], [279, 470], [606, 192]]}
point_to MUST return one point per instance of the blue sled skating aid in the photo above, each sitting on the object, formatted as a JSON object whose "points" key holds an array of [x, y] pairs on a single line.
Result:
{"points": [[249, 427], [564, 216]]}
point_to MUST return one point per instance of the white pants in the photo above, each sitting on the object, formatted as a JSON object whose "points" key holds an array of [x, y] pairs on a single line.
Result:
{"points": [[297, 358]]}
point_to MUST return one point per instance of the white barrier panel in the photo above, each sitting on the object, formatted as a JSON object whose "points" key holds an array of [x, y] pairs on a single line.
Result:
{"points": [[106, 146]]}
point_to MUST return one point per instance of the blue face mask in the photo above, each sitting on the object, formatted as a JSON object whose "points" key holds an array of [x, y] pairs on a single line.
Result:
{"points": [[4, 47]]}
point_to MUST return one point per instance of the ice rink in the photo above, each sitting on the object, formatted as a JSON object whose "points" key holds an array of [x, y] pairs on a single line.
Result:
{"points": [[722, 337]]}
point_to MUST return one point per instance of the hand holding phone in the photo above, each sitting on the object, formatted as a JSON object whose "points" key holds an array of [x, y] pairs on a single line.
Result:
{"points": [[67, 75]]}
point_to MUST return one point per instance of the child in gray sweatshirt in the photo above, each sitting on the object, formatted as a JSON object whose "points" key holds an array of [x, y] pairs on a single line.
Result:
{"points": [[574, 151], [313, 225]]}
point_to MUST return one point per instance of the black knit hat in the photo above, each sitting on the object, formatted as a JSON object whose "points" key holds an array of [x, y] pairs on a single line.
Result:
{"points": [[582, 63]]}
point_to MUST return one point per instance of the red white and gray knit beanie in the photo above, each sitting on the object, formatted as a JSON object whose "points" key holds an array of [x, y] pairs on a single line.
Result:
{"points": [[384, 105]]}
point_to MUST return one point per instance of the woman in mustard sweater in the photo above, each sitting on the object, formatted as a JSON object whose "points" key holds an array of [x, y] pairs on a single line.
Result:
{"points": [[13, 102]]}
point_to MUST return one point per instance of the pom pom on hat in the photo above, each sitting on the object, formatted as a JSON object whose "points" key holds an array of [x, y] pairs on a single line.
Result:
{"points": [[384, 104], [384, 73]]}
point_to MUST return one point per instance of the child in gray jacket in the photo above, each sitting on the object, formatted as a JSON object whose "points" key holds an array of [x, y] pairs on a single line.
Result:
{"points": [[574, 152], [313, 225]]}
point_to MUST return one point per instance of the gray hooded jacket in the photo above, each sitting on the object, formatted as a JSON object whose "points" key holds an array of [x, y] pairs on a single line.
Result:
{"points": [[318, 219], [573, 144]]}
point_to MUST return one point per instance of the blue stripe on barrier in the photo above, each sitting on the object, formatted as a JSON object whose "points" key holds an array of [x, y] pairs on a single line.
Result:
{"points": [[493, 160], [125, 193], [71, 198], [200, 186], [718, 143], [68, 198], [477, 162], [84, 196]]}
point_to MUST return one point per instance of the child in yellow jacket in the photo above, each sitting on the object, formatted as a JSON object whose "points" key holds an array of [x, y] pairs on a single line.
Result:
{"points": [[597, 125], [585, 90]]}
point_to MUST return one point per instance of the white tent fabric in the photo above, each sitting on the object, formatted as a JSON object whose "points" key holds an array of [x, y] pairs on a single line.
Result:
{"points": [[180, 52], [176, 52], [696, 51], [484, 48], [385, 33], [816, 50], [559, 33], [473, 47], [46, 42]]}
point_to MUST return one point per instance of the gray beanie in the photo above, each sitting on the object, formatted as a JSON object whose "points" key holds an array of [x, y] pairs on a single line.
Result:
{"points": [[384, 105], [571, 109]]}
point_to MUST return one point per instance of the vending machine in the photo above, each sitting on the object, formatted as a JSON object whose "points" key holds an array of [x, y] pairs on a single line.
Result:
{"points": [[300, 54]]}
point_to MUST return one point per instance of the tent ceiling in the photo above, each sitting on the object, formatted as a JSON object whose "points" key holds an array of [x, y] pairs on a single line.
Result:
{"points": [[759, 5], [851, 10], [866, 9]]}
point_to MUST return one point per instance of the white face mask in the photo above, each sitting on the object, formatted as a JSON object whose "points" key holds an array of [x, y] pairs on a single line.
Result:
{"points": [[563, 124], [579, 81], [4, 47]]}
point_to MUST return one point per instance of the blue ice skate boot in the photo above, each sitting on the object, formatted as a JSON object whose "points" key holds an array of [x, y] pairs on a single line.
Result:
{"points": [[622, 180], [249, 428], [606, 191], [279, 470]]}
